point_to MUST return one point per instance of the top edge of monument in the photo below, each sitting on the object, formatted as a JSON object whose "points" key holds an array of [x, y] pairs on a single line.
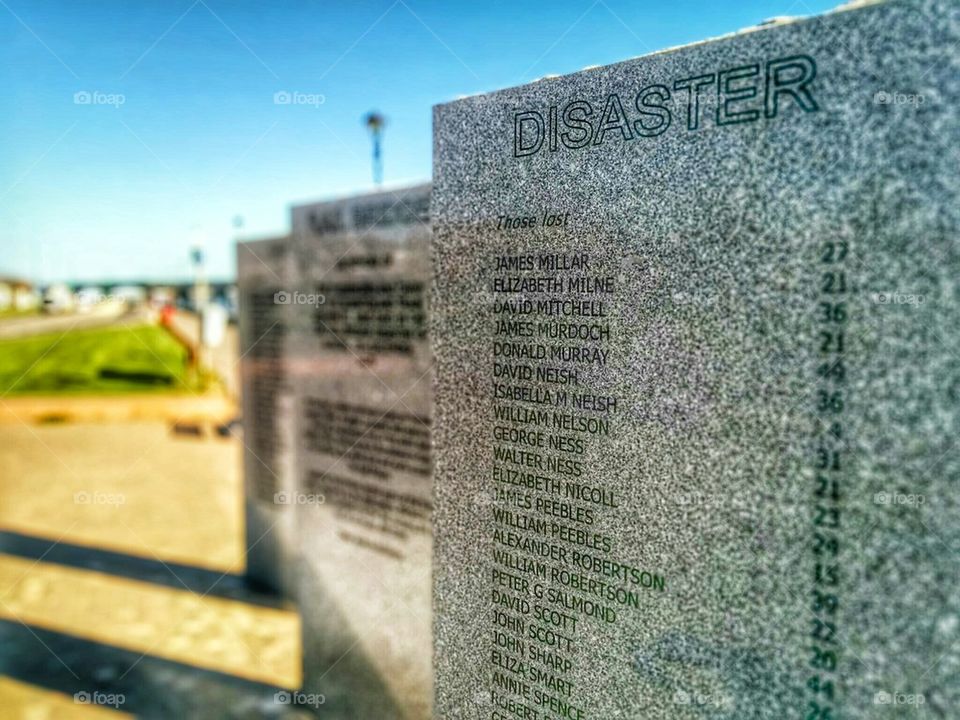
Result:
{"points": [[262, 241], [386, 190], [777, 22], [402, 206]]}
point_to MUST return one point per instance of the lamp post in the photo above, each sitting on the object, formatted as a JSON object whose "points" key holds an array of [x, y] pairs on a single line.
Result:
{"points": [[375, 123], [201, 291]]}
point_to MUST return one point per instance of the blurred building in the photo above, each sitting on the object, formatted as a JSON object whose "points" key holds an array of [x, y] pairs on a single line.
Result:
{"points": [[17, 294]]}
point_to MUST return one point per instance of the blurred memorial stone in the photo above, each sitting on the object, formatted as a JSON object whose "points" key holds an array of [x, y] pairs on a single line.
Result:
{"points": [[363, 374], [264, 279], [698, 366]]}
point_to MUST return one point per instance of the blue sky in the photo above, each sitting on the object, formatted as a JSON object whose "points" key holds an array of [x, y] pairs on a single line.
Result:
{"points": [[181, 133]]}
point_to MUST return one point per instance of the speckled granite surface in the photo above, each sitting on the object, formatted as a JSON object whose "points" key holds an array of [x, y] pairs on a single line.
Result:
{"points": [[360, 361], [696, 417], [265, 277]]}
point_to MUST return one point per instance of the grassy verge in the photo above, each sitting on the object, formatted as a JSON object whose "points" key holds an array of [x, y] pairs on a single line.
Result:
{"points": [[14, 313], [143, 358]]}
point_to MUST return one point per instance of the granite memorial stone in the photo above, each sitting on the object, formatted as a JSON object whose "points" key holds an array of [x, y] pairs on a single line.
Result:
{"points": [[362, 368], [264, 280], [697, 379]]}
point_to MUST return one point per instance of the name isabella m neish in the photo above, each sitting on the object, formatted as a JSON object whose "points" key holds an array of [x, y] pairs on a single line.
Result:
{"points": [[742, 94]]}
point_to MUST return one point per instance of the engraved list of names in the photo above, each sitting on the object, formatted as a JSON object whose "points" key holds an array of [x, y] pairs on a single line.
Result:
{"points": [[554, 573]]}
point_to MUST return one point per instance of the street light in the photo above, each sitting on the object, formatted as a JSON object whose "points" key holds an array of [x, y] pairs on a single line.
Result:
{"points": [[375, 123]]}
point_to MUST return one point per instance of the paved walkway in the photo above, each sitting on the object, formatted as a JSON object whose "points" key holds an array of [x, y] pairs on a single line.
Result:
{"points": [[248, 641], [20, 700], [121, 563], [136, 488]]}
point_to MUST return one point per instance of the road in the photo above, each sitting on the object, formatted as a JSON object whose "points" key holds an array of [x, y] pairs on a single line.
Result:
{"points": [[100, 316]]}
